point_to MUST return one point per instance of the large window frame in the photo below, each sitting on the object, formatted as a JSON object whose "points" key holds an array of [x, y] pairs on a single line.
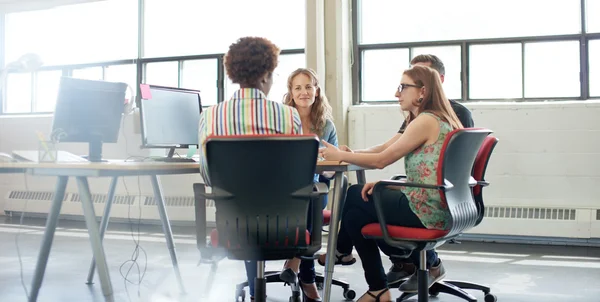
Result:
{"points": [[140, 63], [583, 38]]}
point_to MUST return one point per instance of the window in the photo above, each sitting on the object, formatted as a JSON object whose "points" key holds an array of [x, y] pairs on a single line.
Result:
{"points": [[450, 56], [18, 91], [392, 21], [287, 64], [382, 72], [46, 90], [79, 33], [593, 19], [201, 75], [495, 71], [548, 76], [594, 51], [162, 74], [189, 27]]}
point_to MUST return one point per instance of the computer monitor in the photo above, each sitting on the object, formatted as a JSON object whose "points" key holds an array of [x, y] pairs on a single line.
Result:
{"points": [[88, 112], [169, 117]]}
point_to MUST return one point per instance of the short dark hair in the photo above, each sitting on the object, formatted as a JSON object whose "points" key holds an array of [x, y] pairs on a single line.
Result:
{"points": [[249, 59], [435, 62]]}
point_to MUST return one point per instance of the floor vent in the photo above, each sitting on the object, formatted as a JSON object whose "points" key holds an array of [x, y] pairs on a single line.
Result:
{"points": [[175, 201], [101, 198], [532, 213], [32, 195]]}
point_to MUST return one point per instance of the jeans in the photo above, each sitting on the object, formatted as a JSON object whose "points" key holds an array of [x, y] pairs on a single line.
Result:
{"points": [[307, 267], [357, 213]]}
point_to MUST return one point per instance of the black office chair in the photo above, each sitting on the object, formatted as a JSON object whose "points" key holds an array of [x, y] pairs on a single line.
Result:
{"points": [[262, 187]]}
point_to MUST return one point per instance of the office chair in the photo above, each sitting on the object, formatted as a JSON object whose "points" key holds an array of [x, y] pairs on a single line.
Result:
{"points": [[262, 186], [455, 184]]}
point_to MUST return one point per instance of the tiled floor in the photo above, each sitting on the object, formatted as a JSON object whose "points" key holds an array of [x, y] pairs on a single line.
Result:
{"points": [[515, 272]]}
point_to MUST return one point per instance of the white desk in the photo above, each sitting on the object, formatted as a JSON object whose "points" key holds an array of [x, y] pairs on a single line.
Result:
{"points": [[81, 171]]}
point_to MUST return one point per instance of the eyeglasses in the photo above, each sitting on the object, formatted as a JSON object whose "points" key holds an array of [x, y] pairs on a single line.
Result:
{"points": [[402, 86]]}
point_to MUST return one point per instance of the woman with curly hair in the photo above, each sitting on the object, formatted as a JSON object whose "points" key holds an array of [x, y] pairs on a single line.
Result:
{"points": [[307, 97], [250, 62]]}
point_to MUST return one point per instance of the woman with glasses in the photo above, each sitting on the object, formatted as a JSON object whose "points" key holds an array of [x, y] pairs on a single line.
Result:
{"points": [[430, 118]]}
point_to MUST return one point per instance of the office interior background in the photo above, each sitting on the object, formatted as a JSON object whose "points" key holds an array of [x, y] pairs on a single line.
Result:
{"points": [[528, 69]]}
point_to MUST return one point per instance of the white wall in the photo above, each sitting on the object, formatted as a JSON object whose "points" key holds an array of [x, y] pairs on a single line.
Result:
{"points": [[548, 156]]}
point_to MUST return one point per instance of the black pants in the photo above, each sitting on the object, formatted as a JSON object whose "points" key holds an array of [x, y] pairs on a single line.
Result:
{"points": [[357, 213]]}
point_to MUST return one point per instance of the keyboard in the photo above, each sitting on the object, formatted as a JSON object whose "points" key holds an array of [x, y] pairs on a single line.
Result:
{"points": [[175, 159]]}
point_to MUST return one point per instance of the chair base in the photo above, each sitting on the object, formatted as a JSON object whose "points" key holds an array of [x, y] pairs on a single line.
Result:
{"points": [[273, 277], [454, 288]]}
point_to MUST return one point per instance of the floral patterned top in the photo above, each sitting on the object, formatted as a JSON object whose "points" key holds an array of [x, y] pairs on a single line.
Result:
{"points": [[421, 167]]}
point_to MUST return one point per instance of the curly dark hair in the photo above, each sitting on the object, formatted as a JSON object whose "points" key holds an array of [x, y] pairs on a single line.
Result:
{"points": [[249, 59]]}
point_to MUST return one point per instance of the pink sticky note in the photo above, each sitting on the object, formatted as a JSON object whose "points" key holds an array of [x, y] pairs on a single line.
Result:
{"points": [[145, 91]]}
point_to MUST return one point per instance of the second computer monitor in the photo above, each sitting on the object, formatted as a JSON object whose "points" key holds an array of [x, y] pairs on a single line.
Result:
{"points": [[169, 117]]}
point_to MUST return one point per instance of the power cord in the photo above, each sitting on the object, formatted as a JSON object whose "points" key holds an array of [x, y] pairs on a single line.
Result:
{"points": [[19, 233]]}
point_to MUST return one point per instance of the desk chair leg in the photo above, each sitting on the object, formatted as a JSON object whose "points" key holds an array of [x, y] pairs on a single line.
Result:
{"points": [[260, 283], [162, 211], [360, 177], [336, 211], [104, 223], [52, 220], [90, 221], [423, 277]]}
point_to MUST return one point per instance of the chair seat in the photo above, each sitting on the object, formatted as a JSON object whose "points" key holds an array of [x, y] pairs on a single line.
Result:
{"points": [[400, 232], [214, 239], [326, 217]]}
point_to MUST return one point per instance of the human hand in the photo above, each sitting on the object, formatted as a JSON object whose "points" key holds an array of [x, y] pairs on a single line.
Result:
{"points": [[330, 152], [367, 190]]}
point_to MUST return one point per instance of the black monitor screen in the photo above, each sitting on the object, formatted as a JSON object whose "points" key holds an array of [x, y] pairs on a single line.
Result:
{"points": [[169, 116], [88, 111]]}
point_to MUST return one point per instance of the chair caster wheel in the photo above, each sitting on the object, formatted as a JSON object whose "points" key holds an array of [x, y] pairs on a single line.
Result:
{"points": [[350, 294], [435, 293], [490, 298], [240, 295]]}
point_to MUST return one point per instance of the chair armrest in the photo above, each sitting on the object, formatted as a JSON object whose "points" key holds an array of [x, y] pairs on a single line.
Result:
{"points": [[396, 183], [216, 194], [398, 177], [313, 191], [200, 215], [483, 183]]}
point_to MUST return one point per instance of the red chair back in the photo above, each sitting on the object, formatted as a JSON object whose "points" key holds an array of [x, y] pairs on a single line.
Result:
{"points": [[481, 162]]}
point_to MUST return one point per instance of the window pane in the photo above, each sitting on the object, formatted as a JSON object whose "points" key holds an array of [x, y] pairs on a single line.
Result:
{"points": [[217, 24], [450, 56], [79, 33], [201, 75], [381, 73], [495, 71], [123, 74], [162, 74], [594, 51], [18, 93], [90, 73], [593, 16], [552, 69], [384, 21], [46, 90], [287, 64]]}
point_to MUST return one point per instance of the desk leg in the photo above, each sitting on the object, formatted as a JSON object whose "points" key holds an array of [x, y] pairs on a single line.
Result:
{"points": [[90, 221], [336, 210], [52, 220], [104, 222], [162, 211], [360, 177]]}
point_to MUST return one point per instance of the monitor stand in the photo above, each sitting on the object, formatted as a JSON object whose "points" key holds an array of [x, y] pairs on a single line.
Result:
{"points": [[171, 159], [95, 151]]}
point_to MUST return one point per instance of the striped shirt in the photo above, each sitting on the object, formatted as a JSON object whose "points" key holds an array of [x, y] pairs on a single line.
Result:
{"points": [[248, 112]]}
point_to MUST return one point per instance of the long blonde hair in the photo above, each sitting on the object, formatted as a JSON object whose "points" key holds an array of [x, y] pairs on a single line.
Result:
{"points": [[434, 99], [320, 111]]}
